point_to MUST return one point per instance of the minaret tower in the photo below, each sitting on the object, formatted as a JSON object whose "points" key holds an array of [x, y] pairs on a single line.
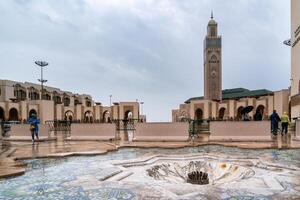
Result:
{"points": [[212, 62]]}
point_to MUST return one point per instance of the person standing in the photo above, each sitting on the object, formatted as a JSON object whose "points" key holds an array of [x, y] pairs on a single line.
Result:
{"points": [[34, 127], [275, 119], [285, 120]]}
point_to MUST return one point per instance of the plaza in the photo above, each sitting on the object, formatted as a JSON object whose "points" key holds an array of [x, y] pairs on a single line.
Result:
{"points": [[216, 146]]}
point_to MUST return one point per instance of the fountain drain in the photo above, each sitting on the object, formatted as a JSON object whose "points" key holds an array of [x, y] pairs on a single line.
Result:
{"points": [[198, 178]]}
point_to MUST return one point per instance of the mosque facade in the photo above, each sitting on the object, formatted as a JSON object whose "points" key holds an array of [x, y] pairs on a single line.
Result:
{"points": [[228, 104]]}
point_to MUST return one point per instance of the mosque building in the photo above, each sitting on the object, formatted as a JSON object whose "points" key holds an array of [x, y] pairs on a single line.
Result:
{"points": [[228, 104]]}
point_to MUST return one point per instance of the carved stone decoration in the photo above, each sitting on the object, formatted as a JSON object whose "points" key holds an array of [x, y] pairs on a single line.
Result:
{"points": [[198, 178]]}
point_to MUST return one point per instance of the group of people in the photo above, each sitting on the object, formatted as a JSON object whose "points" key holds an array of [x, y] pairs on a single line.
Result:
{"points": [[275, 119]]}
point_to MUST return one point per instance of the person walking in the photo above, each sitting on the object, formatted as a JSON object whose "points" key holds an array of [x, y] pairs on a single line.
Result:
{"points": [[285, 120], [275, 119], [34, 127]]}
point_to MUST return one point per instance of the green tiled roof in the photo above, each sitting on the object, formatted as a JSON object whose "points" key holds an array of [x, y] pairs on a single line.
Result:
{"points": [[237, 93]]}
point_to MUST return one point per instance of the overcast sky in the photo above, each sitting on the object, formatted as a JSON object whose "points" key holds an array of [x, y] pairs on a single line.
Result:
{"points": [[150, 50]]}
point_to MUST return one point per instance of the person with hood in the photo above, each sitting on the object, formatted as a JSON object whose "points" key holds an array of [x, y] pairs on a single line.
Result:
{"points": [[285, 120], [34, 127], [275, 119]]}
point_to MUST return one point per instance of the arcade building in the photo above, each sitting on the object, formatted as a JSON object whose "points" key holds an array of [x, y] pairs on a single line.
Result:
{"points": [[19, 100]]}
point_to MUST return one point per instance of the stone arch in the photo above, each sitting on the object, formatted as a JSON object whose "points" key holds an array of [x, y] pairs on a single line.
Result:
{"points": [[13, 115], [106, 117], [32, 111], [88, 117], [128, 114], [222, 113], [198, 114], [2, 114], [183, 115], [239, 114], [259, 114], [213, 57], [69, 115]]}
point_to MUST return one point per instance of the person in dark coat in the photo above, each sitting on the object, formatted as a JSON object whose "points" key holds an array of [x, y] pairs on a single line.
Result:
{"points": [[34, 126], [275, 119]]}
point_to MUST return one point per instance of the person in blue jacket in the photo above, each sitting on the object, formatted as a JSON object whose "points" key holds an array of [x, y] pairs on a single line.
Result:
{"points": [[34, 126], [275, 119]]}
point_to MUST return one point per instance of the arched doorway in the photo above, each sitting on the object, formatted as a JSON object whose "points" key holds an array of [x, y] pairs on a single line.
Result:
{"points": [[31, 112], [106, 117], [199, 114], [88, 117], [2, 114], [222, 113], [239, 115], [182, 117], [69, 115], [258, 116], [13, 115], [128, 114]]}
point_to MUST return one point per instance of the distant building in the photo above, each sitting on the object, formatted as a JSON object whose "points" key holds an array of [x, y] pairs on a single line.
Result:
{"points": [[19, 100], [227, 104], [295, 69]]}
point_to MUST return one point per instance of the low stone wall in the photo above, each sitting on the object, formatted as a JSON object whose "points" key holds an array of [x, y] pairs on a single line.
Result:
{"points": [[240, 131], [164, 131], [24, 130], [93, 132]]}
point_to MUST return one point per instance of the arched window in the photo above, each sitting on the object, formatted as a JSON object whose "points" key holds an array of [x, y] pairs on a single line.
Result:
{"points": [[128, 115], [88, 102], [69, 115], [199, 114], [222, 113], [56, 98], [19, 92], [34, 94], [88, 117], [259, 114], [239, 113], [106, 117], [66, 100]]}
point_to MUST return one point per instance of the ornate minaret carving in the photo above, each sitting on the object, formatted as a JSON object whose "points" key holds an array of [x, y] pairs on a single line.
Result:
{"points": [[212, 62]]}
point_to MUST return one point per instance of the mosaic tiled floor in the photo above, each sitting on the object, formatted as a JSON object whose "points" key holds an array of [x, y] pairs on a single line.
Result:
{"points": [[123, 175]]}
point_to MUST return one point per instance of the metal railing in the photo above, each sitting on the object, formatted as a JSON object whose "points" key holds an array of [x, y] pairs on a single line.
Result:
{"points": [[59, 125], [198, 127], [125, 124]]}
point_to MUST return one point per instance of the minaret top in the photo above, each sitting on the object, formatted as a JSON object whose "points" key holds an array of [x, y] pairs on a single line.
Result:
{"points": [[212, 22]]}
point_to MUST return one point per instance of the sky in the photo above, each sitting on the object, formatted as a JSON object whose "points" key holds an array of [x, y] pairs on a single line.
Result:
{"points": [[145, 50]]}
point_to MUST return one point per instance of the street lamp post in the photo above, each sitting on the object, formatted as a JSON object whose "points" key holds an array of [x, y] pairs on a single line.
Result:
{"points": [[42, 64]]}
